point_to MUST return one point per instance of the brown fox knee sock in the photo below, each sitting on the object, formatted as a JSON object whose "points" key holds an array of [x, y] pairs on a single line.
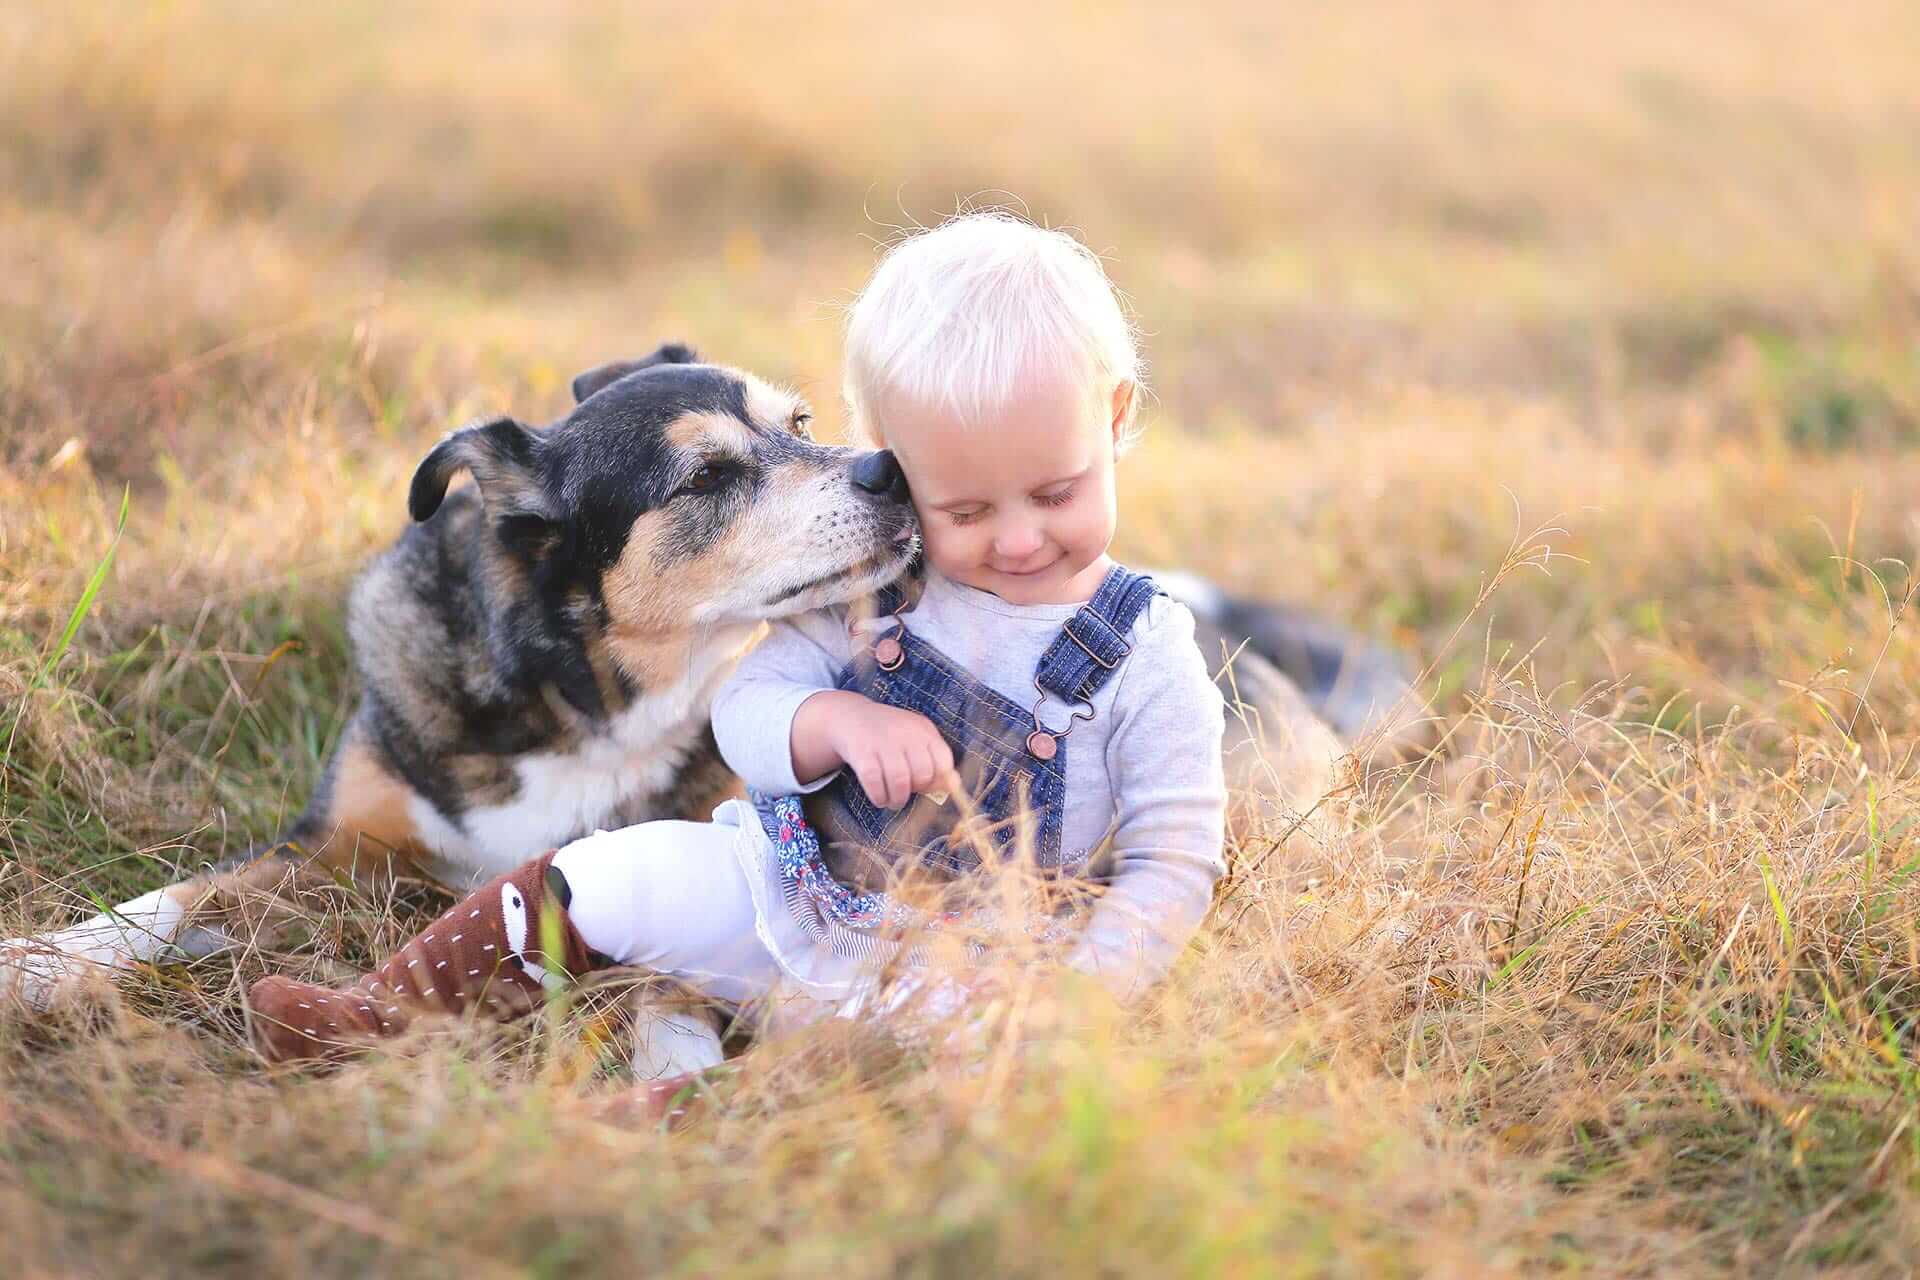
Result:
{"points": [[493, 952]]}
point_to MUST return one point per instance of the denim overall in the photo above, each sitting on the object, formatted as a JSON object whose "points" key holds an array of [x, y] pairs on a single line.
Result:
{"points": [[1011, 759]]}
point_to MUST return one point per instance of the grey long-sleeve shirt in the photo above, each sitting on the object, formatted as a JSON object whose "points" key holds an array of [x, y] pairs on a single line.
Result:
{"points": [[1146, 767]]}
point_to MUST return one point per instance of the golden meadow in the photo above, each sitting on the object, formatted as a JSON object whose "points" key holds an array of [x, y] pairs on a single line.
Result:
{"points": [[1576, 349]]}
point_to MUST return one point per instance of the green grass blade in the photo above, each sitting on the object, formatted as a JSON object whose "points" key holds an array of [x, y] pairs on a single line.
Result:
{"points": [[85, 604], [1779, 905], [1513, 965]]}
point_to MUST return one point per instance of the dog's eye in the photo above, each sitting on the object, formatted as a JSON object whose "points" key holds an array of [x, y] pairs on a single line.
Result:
{"points": [[802, 424], [702, 480]]}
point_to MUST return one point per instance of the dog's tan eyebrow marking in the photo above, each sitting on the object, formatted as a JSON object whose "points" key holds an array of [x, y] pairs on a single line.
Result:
{"points": [[770, 407], [773, 407], [709, 433]]}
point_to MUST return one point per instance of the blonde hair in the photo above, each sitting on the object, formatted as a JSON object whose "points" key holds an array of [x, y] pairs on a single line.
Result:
{"points": [[955, 317]]}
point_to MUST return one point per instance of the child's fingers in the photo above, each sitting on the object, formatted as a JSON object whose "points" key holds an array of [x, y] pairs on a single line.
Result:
{"points": [[924, 772], [929, 747], [899, 779], [940, 775], [872, 780]]}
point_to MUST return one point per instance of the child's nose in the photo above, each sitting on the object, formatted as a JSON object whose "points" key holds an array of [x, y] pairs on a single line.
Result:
{"points": [[1016, 540]]}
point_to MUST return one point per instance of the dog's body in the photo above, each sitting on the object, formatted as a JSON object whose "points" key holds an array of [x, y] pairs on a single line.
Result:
{"points": [[454, 764], [538, 653]]}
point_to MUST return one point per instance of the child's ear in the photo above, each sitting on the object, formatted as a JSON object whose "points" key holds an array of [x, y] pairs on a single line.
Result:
{"points": [[1123, 394]]}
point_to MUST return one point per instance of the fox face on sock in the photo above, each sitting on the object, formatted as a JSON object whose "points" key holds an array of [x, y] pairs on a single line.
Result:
{"points": [[515, 921]]}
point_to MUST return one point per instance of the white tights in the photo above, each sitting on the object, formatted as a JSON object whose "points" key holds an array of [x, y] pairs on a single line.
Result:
{"points": [[671, 897]]}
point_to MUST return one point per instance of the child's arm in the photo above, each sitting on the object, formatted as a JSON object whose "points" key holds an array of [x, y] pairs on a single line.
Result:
{"points": [[784, 728], [1171, 796], [754, 711]]}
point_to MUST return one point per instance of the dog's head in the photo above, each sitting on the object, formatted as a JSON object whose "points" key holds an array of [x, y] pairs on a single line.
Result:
{"points": [[679, 494]]}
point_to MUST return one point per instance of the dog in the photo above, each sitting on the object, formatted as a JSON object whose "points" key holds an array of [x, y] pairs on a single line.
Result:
{"points": [[538, 652]]}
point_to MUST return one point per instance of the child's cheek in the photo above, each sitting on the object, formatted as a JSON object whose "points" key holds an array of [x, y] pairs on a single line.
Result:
{"points": [[943, 543]]}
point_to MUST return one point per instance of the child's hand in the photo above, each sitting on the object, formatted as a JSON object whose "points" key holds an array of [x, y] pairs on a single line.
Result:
{"points": [[894, 753]]}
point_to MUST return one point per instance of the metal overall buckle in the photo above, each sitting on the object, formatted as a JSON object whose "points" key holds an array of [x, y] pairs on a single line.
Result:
{"points": [[1043, 743], [888, 653]]}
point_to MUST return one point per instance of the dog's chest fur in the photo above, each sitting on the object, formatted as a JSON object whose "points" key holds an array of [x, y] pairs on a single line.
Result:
{"points": [[625, 773]]}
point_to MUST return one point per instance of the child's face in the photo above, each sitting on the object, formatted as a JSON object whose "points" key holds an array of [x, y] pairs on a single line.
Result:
{"points": [[1021, 506]]}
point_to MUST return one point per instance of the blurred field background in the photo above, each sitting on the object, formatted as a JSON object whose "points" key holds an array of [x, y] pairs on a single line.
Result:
{"points": [[1612, 309]]}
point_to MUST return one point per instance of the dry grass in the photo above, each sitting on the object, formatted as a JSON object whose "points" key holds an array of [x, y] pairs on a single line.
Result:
{"points": [[1623, 981]]}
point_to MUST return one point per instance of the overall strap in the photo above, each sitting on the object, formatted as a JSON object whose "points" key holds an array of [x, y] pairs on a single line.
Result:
{"points": [[890, 598], [1094, 641]]}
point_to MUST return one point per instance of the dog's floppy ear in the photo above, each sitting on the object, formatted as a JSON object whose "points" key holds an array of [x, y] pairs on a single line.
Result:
{"points": [[594, 379], [502, 454]]}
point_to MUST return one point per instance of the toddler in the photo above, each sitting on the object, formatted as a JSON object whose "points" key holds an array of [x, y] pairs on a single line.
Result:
{"points": [[1025, 699]]}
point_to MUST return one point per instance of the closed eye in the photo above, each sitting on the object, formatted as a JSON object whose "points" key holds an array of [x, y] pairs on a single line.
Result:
{"points": [[1060, 499], [967, 516]]}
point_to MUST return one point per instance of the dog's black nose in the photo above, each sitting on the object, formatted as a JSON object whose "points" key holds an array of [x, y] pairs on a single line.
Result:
{"points": [[878, 473]]}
